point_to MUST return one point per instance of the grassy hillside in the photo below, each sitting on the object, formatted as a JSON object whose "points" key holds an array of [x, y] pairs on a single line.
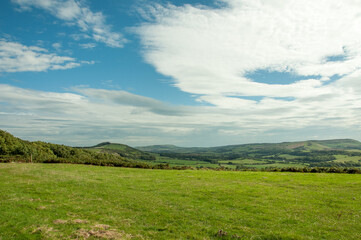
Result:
{"points": [[325, 153], [161, 148], [341, 144], [39, 201], [122, 150], [336, 144]]}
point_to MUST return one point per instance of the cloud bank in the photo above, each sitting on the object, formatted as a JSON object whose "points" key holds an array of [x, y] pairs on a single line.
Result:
{"points": [[88, 116], [212, 51]]}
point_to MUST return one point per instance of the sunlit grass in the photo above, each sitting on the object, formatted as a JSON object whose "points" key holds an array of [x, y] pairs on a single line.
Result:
{"points": [[58, 201], [344, 158]]}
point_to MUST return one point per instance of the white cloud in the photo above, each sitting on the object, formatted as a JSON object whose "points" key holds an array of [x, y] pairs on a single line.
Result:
{"points": [[87, 116], [128, 99], [211, 51], [15, 57], [77, 13]]}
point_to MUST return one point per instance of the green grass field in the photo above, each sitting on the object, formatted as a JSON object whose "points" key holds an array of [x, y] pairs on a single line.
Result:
{"points": [[59, 201], [343, 158]]}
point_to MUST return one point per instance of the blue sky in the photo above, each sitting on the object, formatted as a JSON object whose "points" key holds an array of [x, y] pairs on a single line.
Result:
{"points": [[124, 66], [189, 73]]}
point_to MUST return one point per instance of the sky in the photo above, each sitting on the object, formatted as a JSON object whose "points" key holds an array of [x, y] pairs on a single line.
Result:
{"points": [[185, 72]]}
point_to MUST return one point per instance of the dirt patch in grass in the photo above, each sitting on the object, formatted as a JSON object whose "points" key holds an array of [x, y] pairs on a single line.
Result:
{"points": [[43, 229], [74, 221], [102, 231], [79, 221], [102, 226], [45, 232], [60, 221]]}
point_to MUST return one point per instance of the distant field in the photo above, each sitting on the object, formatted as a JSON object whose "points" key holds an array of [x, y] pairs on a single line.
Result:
{"points": [[181, 162], [58, 201], [343, 158]]}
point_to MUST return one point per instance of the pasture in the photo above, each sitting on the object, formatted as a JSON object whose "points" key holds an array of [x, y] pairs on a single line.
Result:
{"points": [[66, 201]]}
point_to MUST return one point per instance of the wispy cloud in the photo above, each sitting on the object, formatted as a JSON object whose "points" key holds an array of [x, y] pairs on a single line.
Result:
{"points": [[128, 99], [211, 52], [15, 57], [87, 116], [78, 13]]}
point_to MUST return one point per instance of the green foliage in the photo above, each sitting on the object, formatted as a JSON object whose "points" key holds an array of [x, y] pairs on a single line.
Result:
{"points": [[15, 149]]}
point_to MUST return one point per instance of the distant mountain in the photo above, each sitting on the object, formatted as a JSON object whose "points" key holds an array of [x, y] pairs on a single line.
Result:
{"points": [[162, 148], [313, 153], [311, 145], [121, 150]]}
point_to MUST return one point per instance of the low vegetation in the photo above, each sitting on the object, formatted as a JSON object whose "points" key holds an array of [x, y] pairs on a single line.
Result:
{"points": [[67, 201]]}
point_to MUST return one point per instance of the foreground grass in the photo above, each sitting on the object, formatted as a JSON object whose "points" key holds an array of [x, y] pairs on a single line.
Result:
{"points": [[48, 201]]}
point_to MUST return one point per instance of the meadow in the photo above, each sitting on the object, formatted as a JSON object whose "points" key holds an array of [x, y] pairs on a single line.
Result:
{"points": [[68, 201]]}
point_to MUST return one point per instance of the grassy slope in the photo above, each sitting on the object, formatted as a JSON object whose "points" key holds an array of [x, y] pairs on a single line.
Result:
{"points": [[39, 201], [343, 158], [261, 152], [341, 144], [122, 149], [306, 145]]}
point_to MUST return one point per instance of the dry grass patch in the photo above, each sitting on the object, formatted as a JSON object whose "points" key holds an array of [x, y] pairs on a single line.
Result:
{"points": [[60, 221], [79, 221], [102, 231], [102, 226], [74, 221], [46, 232]]}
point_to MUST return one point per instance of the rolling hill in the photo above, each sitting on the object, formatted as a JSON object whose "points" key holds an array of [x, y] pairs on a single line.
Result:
{"points": [[312, 153], [16, 149], [335, 144], [315, 153], [121, 150]]}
